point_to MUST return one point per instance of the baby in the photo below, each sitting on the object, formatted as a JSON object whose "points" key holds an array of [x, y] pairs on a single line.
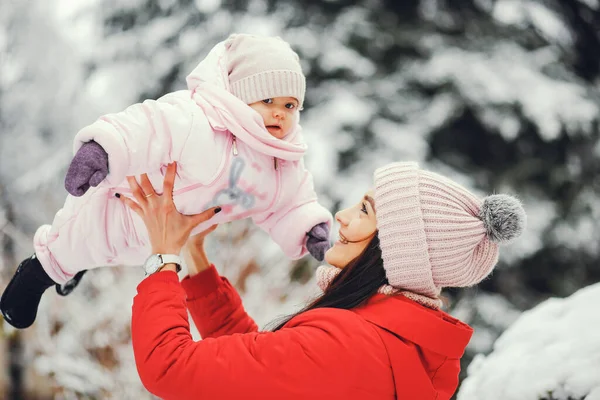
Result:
{"points": [[236, 138]]}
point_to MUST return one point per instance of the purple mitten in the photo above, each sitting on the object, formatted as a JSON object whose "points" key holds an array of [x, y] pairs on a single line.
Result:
{"points": [[88, 168], [318, 241]]}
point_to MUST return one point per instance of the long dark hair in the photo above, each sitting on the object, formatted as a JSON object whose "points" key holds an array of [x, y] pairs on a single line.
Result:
{"points": [[353, 286]]}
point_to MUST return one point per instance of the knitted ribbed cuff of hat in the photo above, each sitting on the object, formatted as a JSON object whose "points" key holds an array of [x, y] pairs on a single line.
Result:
{"points": [[269, 84], [401, 228]]}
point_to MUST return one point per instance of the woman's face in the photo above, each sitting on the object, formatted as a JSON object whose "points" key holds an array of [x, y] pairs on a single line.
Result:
{"points": [[358, 225]]}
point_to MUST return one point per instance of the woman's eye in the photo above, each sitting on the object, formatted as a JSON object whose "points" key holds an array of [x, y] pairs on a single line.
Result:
{"points": [[364, 208], [268, 101]]}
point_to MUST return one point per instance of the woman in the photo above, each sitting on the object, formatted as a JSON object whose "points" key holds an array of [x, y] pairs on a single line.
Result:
{"points": [[377, 332]]}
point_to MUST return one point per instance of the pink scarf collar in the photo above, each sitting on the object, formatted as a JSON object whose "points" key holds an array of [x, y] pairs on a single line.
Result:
{"points": [[326, 273], [208, 84]]}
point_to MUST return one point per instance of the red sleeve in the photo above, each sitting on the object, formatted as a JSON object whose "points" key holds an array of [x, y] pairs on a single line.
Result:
{"points": [[317, 355], [215, 305]]}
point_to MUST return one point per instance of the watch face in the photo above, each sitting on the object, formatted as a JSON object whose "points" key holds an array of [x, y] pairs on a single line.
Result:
{"points": [[152, 263]]}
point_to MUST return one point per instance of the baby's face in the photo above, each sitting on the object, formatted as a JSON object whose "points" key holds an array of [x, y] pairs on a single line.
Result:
{"points": [[280, 114]]}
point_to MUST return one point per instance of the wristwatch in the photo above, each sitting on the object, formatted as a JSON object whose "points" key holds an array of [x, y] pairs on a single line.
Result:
{"points": [[156, 261]]}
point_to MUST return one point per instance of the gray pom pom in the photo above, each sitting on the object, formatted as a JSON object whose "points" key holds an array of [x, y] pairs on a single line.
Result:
{"points": [[503, 217]]}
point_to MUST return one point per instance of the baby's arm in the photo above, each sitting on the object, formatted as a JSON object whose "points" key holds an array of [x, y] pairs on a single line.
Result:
{"points": [[289, 225], [139, 139]]}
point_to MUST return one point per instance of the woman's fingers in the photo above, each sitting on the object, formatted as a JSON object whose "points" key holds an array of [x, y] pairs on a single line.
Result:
{"points": [[209, 230], [136, 189], [204, 216], [131, 204], [146, 185], [169, 181], [199, 237]]}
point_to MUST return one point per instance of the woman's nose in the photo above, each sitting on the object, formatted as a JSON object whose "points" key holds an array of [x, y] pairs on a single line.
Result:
{"points": [[339, 217]]}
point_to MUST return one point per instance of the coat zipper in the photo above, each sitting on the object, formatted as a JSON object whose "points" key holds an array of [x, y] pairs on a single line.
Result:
{"points": [[235, 153], [235, 150], [277, 189]]}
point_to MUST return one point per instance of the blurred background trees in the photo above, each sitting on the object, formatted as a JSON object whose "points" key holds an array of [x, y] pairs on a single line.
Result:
{"points": [[501, 95]]}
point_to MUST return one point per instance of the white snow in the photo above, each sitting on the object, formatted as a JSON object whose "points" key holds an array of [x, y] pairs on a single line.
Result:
{"points": [[551, 350], [508, 76], [544, 20], [207, 6], [593, 4], [86, 72]]}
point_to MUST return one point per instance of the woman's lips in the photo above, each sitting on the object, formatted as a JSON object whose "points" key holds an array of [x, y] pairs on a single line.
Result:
{"points": [[343, 239]]}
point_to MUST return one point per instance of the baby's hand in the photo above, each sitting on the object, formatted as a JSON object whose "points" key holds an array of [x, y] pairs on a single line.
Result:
{"points": [[88, 168], [318, 241]]}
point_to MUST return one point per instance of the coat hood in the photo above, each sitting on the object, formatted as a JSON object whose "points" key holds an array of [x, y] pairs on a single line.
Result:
{"points": [[430, 329], [210, 89], [415, 334]]}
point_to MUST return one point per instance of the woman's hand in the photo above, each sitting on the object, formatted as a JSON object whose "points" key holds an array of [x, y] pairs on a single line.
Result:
{"points": [[168, 229], [195, 256], [198, 240]]}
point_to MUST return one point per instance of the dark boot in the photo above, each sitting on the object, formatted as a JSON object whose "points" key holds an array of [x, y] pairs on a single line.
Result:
{"points": [[67, 288], [20, 300]]}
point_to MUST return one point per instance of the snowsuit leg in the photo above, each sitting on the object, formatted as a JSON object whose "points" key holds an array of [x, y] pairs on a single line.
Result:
{"points": [[91, 231]]}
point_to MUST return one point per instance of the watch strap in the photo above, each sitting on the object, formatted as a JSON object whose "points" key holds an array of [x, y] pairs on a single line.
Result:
{"points": [[171, 259]]}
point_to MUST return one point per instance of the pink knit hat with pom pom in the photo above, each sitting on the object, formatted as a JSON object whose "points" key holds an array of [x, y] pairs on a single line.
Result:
{"points": [[434, 233]]}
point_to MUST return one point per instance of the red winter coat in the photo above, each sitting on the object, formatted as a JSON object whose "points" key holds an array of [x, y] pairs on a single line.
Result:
{"points": [[391, 345]]}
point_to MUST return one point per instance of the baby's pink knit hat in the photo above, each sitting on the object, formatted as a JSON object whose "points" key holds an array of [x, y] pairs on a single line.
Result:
{"points": [[434, 233], [262, 67]]}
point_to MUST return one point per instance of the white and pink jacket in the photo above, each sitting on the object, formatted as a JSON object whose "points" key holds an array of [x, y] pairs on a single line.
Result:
{"points": [[225, 157]]}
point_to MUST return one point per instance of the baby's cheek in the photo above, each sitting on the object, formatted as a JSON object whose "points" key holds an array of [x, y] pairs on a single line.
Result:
{"points": [[290, 127], [285, 133]]}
